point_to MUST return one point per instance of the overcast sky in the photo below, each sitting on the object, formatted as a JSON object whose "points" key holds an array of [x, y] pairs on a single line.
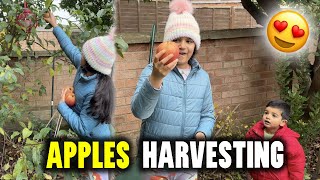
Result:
{"points": [[62, 13]]}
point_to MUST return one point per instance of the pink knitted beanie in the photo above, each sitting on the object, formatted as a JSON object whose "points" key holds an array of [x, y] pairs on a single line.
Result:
{"points": [[100, 53], [181, 22]]}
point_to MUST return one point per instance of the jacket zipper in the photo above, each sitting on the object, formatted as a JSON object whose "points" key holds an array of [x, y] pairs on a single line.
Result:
{"points": [[184, 106], [185, 99]]}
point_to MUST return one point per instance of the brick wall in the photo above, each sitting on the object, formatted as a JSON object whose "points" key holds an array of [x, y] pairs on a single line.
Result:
{"points": [[240, 68]]}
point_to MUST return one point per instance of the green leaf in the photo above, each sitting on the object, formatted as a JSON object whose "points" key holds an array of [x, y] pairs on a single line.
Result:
{"points": [[121, 44], [22, 124], [52, 43], [8, 38], [22, 176], [1, 131], [14, 134], [47, 176], [31, 142], [49, 60], [42, 90], [18, 70], [51, 72], [24, 97], [48, 26], [18, 167], [42, 134], [6, 167], [26, 133], [48, 3], [29, 125], [36, 155], [101, 12], [7, 176]]}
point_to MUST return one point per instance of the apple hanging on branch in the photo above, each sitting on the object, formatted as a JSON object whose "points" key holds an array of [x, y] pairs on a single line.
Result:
{"points": [[27, 19]]}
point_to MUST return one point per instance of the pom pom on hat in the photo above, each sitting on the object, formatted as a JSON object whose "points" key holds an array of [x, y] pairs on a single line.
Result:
{"points": [[181, 22], [180, 6], [100, 53]]}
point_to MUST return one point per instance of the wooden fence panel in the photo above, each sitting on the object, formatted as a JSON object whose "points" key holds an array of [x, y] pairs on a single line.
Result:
{"points": [[138, 16]]}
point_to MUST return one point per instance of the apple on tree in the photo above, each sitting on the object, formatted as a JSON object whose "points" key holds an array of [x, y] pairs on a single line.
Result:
{"points": [[171, 48]]}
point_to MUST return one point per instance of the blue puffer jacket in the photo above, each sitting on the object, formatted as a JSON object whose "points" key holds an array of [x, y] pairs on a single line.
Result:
{"points": [[179, 110], [78, 117]]}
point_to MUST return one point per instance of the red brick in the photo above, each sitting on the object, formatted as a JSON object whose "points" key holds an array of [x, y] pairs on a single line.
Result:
{"points": [[248, 77], [240, 99], [132, 126], [222, 102], [216, 80], [252, 112], [227, 94], [273, 95], [212, 65], [258, 83], [267, 74], [120, 101], [242, 70], [119, 119], [133, 56], [119, 83], [216, 95], [131, 82], [223, 72], [122, 110], [242, 55], [229, 64], [230, 79]]}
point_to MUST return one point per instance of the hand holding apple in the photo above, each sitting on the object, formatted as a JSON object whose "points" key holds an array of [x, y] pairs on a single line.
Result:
{"points": [[70, 99], [161, 68], [170, 48], [50, 18], [68, 96]]}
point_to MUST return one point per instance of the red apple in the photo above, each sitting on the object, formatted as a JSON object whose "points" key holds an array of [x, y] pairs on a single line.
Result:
{"points": [[171, 48], [69, 89], [46, 15], [70, 99], [27, 19]]}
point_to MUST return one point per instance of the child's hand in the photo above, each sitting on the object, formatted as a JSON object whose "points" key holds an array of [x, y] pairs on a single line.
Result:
{"points": [[50, 18], [160, 70], [63, 94], [200, 136]]}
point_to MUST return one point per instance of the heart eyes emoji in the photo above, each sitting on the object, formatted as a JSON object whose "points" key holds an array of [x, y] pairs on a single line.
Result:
{"points": [[296, 31]]}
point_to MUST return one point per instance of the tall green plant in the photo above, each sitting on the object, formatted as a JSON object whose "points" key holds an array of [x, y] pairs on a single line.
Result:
{"points": [[283, 78]]}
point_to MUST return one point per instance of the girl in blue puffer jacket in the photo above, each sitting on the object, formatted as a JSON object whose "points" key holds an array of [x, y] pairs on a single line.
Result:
{"points": [[91, 116], [174, 101]]}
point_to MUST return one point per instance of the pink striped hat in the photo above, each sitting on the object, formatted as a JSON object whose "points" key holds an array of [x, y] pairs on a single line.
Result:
{"points": [[100, 53], [181, 22]]}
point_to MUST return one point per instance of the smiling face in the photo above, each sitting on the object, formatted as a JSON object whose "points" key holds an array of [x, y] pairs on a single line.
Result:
{"points": [[272, 119], [186, 48], [288, 31]]}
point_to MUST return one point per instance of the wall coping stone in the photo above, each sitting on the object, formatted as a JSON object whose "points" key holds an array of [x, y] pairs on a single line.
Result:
{"points": [[141, 38]]}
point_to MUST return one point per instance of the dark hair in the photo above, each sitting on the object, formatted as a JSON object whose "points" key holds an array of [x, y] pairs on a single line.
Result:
{"points": [[102, 103], [283, 106]]}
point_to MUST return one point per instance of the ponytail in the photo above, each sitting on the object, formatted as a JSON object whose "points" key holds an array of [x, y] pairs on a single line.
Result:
{"points": [[102, 103]]}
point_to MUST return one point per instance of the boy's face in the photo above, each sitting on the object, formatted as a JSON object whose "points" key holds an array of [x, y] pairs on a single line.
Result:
{"points": [[186, 47], [272, 119]]}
